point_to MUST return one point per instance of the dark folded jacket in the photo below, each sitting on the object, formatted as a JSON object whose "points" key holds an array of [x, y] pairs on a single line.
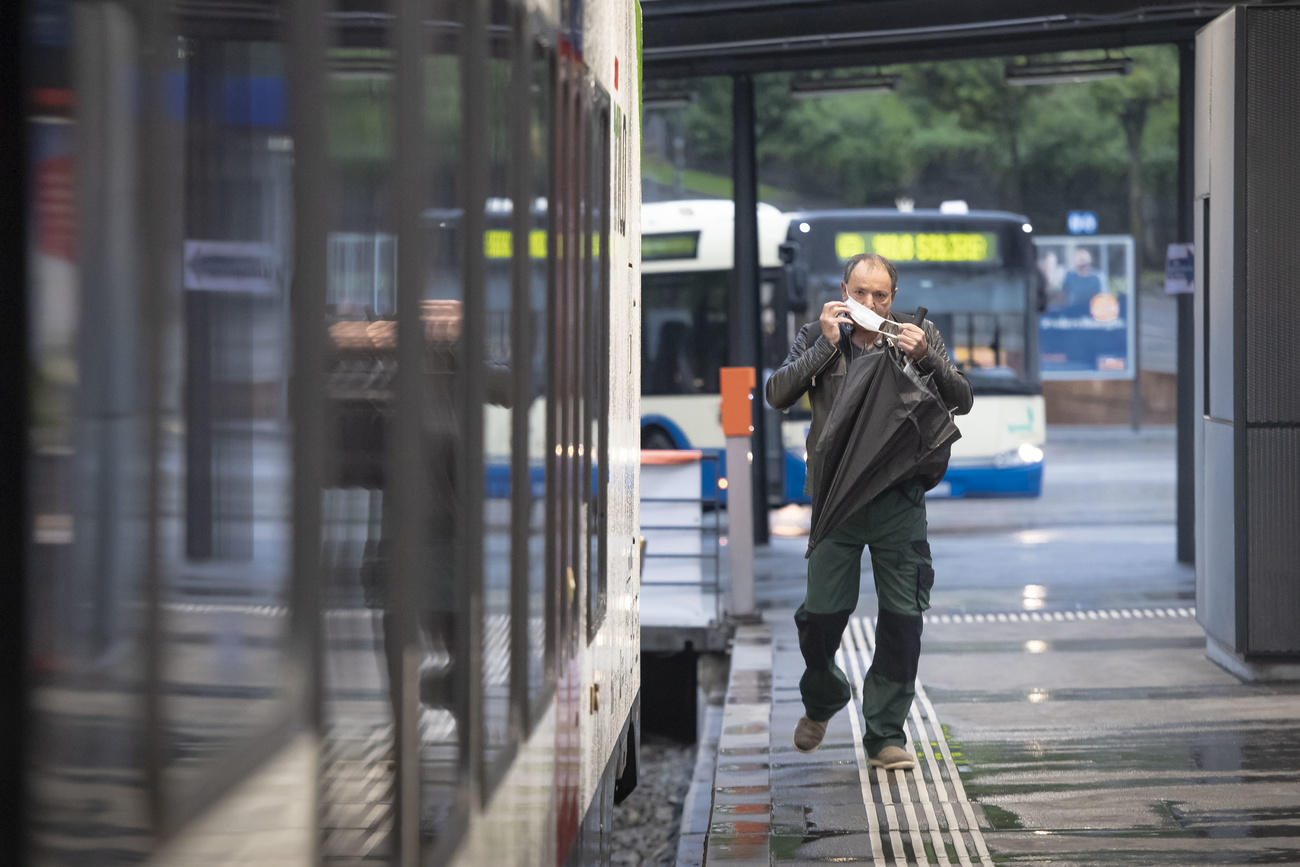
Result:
{"points": [[888, 424], [817, 367]]}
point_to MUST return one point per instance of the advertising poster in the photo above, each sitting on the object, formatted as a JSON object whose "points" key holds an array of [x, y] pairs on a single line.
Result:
{"points": [[1087, 328]]}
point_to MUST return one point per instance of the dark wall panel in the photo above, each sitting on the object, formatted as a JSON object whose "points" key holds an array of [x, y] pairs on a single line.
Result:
{"points": [[1273, 506], [1273, 203]]}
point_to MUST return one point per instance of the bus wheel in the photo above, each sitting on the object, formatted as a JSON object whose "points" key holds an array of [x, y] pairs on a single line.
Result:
{"points": [[654, 437]]}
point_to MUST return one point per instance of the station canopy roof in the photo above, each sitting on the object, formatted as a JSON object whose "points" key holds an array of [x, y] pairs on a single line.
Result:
{"points": [[719, 37]]}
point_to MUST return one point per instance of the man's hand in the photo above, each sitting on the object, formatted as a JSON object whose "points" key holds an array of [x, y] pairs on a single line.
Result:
{"points": [[911, 339], [833, 313]]}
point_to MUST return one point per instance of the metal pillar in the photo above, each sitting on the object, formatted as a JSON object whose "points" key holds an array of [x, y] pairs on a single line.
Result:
{"points": [[1135, 401], [1185, 491], [740, 538], [14, 639], [199, 306], [745, 332]]}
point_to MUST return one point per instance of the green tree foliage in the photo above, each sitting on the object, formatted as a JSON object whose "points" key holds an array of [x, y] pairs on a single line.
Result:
{"points": [[1131, 100], [956, 130]]}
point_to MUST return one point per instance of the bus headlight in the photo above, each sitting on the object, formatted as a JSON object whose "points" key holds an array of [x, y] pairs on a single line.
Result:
{"points": [[1026, 454], [1030, 453]]}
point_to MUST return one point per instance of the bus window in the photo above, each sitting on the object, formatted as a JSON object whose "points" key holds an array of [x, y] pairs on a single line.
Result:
{"points": [[982, 317], [684, 332]]}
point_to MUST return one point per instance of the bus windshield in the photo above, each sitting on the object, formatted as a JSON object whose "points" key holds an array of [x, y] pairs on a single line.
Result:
{"points": [[974, 275], [683, 331]]}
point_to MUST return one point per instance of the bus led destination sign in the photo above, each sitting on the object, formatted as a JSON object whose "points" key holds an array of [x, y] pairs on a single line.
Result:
{"points": [[920, 246], [670, 245]]}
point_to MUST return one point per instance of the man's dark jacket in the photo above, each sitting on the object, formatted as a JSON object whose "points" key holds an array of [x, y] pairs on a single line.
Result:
{"points": [[820, 368]]}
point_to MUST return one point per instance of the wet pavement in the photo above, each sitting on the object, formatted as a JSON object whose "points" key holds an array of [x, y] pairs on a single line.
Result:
{"points": [[1117, 742], [1066, 710]]}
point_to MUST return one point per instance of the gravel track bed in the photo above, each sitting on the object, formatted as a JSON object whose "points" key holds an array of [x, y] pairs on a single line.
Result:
{"points": [[646, 825]]}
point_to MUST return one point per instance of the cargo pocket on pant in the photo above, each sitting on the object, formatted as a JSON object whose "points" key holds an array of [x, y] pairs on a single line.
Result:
{"points": [[914, 493], [924, 575]]}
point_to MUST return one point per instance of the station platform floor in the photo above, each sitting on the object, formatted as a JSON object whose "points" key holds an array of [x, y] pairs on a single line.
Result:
{"points": [[1089, 736]]}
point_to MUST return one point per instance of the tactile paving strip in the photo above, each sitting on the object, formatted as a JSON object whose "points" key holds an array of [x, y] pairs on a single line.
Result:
{"points": [[915, 817]]}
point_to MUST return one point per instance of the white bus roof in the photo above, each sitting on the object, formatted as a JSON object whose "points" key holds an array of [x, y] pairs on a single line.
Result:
{"points": [[713, 220]]}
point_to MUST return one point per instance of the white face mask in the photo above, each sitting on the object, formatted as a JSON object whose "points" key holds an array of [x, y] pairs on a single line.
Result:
{"points": [[869, 319]]}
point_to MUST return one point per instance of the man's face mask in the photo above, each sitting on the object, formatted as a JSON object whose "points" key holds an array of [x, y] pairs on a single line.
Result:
{"points": [[870, 320]]}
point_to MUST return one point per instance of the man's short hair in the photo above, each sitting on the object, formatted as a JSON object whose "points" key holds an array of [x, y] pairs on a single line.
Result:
{"points": [[875, 260]]}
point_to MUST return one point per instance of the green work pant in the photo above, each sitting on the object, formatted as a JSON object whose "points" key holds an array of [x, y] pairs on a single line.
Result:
{"points": [[893, 526]]}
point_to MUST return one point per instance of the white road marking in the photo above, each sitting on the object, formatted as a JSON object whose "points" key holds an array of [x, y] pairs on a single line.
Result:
{"points": [[886, 800], [864, 778], [1069, 616], [923, 790], [954, 776]]}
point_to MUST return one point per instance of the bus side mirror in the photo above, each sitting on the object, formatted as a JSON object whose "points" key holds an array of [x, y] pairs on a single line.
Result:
{"points": [[796, 288], [1040, 290], [796, 277]]}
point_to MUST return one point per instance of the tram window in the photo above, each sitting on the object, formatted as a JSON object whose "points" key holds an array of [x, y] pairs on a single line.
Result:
{"points": [[573, 353], [89, 457], [224, 466], [361, 644], [562, 372], [498, 422], [442, 587], [540, 581], [595, 250]]}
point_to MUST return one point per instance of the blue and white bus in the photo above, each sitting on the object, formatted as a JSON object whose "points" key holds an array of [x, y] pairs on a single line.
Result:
{"points": [[976, 273], [687, 278]]}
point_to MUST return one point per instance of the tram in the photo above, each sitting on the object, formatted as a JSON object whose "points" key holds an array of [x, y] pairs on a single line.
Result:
{"points": [[334, 428]]}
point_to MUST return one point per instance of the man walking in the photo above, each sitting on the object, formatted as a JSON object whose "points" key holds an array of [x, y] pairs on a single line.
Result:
{"points": [[892, 525]]}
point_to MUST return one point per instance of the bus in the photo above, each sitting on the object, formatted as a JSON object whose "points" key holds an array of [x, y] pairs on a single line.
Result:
{"points": [[975, 272], [687, 280]]}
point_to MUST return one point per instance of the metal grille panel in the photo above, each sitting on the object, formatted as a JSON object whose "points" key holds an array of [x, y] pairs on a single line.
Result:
{"points": [[1273, 503], [1272, 288]]}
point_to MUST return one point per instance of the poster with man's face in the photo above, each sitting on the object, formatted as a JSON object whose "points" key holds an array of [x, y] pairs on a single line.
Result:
{"points": [[1086, 330]]}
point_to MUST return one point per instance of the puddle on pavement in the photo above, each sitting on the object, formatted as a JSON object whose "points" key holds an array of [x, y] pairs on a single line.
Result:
{"points": [[1230, 747]]}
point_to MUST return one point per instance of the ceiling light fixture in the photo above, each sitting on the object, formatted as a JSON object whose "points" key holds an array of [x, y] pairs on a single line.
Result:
{"points": [[1067, 71], [811, 88], [662, 99]]}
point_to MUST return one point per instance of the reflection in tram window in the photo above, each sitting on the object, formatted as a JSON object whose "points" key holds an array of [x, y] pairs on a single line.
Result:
{"points": [[361, 645], [540, 641], [596, 466], [297, 298], [89, 323], [498, 420], [435, 581], [224, 461]]}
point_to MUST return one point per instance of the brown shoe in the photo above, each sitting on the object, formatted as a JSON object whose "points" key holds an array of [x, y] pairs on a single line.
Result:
{"points": [[808, 734], [892, 758]]}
